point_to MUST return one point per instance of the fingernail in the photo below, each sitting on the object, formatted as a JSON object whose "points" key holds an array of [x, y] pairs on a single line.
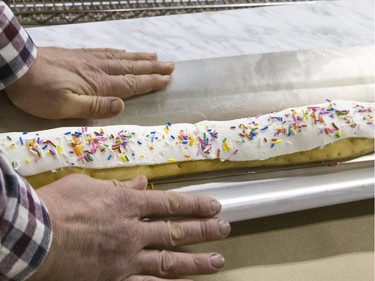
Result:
{"points": [[224, 227], [170, 64], [217, 261], [139, 179], [116, 106], [215, 207], [167, 77], [140, 182]]}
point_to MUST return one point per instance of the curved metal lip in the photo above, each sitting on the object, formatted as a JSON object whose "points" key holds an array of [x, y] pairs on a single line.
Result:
{"points": [[278, 192]]}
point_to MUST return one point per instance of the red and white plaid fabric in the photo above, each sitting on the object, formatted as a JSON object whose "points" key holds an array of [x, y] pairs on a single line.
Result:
{"points": [[17, 50]]}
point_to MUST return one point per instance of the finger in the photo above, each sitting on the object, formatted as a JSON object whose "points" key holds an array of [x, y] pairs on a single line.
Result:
{"points": [[122, 67], [110, 54], [129, 85], [151, 278], [178, 233], [156, 204], [173, 264], [82, 106]]}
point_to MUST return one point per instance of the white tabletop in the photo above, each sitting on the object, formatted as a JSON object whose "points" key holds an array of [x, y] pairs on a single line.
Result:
{"points": [[309, 25]]}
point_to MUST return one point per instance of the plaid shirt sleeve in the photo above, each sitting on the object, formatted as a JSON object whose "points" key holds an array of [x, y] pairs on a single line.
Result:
{"points": [[25, 227], [17, 50]]}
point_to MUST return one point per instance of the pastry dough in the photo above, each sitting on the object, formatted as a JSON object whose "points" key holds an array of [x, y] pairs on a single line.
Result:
{"points": [[326, 132]]}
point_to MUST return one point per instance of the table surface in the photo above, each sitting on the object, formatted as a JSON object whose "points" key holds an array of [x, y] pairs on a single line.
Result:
{"points": [[327, 244], [312, 25]]}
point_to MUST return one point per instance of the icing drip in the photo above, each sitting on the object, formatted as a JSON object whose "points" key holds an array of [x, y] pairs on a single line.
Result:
{"points": [[254, 138]]}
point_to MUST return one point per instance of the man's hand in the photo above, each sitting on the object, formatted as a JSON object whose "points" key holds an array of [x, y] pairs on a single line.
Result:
{"points": [[111, 230], [86, 83]]}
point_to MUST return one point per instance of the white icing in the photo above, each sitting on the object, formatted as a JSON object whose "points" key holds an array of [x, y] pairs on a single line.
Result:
{"points": [[245, 139]]}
